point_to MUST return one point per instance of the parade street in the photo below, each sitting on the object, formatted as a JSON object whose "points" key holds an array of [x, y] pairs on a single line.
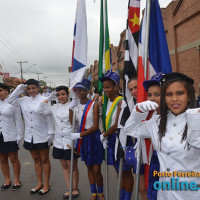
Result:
{"points": [[58, 188]]}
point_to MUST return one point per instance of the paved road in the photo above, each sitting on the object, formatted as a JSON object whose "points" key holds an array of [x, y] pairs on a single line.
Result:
{"points": [[57, 183]]}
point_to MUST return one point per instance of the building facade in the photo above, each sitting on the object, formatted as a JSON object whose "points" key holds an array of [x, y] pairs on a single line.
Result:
{"points": [[182, 25]]}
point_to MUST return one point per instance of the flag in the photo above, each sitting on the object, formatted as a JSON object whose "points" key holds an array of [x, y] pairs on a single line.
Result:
{"points": [[158, 61], [131, 53], [130, 69], [104, 52], [79, 51]]}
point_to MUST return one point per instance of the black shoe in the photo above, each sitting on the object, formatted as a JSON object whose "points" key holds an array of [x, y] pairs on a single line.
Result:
{"points": [[5, 187], [16, 187], [42, 192], [33, 191], [75, 195], [65, 196]]}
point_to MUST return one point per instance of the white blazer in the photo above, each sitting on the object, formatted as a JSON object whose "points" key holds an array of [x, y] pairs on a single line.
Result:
{"points": [[174, 154]]}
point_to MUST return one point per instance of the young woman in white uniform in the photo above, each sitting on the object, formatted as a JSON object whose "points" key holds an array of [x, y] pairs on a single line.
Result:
{"points": [[38, 131], [11, 131], [171, 133], [62, 141]]}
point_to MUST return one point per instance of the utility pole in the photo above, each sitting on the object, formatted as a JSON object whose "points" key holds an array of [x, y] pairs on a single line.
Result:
{"points": [[38, 75], [45, 78], [20, 62], [50, 84]]}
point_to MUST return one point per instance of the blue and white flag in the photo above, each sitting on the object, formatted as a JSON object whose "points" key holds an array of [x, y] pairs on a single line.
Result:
{"points": [[158, 58], [79, 52]]}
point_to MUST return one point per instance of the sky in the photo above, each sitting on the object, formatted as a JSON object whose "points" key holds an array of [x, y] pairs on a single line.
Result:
{"points": [[41, 32]]}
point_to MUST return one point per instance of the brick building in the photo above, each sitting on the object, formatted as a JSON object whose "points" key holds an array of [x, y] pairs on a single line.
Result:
{"points": [[182, 25], [94, 68], [13, 81]]}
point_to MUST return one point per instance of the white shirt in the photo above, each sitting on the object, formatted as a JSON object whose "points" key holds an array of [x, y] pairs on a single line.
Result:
{"points": [[109, 104], [11, 124], [79, 113], [63, 128], [174, 155], [37, 126]]}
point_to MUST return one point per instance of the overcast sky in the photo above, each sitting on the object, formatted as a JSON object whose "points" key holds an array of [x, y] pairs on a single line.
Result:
{"points": [[41, 32]]}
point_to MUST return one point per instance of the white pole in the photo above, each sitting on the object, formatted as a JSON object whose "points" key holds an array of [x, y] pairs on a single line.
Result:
{"points": [[120, 177], [106, 151], [148, 7], [72, 159], [147, 38]]}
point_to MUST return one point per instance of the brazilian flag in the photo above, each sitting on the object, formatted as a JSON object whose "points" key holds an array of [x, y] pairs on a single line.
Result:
{"points": [[104, 52]]}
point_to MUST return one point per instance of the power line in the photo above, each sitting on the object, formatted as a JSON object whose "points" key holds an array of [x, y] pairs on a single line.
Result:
{"points": [[28, 68], [12, 48], [5, 63], [38, 73], [8, 55]]}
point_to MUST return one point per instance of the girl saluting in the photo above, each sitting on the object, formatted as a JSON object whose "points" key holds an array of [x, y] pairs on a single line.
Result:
{"points": [[172, 133], [38, 131]]}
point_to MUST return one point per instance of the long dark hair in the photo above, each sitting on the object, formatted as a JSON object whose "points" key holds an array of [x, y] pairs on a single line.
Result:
{"points": [[164, 109]]}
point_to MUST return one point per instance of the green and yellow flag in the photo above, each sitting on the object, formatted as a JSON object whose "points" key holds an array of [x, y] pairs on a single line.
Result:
{"points": [[104, 52]]}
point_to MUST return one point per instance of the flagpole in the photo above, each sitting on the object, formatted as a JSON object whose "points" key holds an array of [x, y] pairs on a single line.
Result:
{"points": [[139, 148], [122, 156], [146, 51], [103, 64], [72, 159], [120, 178]]}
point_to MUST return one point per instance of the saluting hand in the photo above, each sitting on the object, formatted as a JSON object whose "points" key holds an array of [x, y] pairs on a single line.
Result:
{"points": [[52, 96], [22, 87], [146, 106]]}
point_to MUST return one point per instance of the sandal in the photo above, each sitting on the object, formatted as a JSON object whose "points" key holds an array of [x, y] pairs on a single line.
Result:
{"points": [[94, 196], [101, 196], [66, 196], [75, 195]]}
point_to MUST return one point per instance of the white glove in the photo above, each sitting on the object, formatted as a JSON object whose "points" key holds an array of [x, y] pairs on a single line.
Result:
{"points": [[104, 141], [52, 96], [50, 139], [102, 137], [146, 106], [21, 88], [73, 104], [75, 136], [124, 104], [18, 142]]}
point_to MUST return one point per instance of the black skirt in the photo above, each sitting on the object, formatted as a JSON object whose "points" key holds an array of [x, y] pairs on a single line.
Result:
{"points": [[63, 154], [38, 146], [7, 147]]}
